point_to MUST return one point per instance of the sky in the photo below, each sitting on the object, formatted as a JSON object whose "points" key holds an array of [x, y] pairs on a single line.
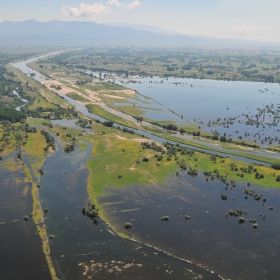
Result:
{"points": [[242, 19]]}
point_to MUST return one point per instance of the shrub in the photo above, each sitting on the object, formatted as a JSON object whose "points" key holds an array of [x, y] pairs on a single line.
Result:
{"points": [[128, 225], [255, 225], [93, 213], [26, 218], [187, 217], [231, 212], [224, 196], [46, 210], [165, 218], [145, 159], [241, 220], [276, 166]]}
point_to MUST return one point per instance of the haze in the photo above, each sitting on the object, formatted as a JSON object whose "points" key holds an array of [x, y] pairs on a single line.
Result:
{"points": [[249, 19]]}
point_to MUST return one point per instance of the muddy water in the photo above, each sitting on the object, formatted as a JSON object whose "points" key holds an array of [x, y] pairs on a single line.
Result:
{"points": [[233, 250], [83, 250], [21, 254]]}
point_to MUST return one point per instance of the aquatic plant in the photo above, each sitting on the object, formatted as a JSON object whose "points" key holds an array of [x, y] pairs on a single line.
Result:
{"points": [[46, 210], [187, 217], [165, 218], [25, 217]]}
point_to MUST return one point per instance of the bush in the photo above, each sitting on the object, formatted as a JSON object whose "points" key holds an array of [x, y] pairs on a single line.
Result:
{"points": [[145, 159], [241, 220], [128, 225], [187, 217], [255, 225], [165, 218], [275, 166], [46, 210], [25, 218], [224, 196]]}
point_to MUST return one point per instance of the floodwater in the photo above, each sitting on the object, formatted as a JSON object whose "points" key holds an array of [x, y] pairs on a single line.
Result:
{"points": [[81, 108], [209, 238], [204, 101], [83, 250], [21, 253]]}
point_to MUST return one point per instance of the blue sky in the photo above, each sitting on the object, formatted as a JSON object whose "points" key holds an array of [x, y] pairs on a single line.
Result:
{"points": [[243, 19]]}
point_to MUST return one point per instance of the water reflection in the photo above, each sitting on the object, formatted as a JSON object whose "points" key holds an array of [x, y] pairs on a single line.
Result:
{"points": [[21, 254], [82, 250], [233, 250]]}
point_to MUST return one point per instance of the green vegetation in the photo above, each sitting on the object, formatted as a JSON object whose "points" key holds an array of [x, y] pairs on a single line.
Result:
{"points": [[217, 63], [77, 97], [128, 225], [99, 111]]}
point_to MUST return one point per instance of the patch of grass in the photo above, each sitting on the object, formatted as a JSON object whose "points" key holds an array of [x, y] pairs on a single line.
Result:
{"points": [[77, 97], [97, 110], [114, 162]]}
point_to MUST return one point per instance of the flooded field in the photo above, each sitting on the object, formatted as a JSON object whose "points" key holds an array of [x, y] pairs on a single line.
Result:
{"points": [[201, 238], [211, 237], [84, 250], [246, 109], [21, 254]]}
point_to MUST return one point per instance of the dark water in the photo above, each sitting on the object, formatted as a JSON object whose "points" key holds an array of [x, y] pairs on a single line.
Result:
{"points": [[80, 249], [232, 250], [21, 253]]}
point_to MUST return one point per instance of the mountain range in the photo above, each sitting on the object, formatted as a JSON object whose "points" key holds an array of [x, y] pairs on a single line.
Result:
{"points": [[80, 34]]}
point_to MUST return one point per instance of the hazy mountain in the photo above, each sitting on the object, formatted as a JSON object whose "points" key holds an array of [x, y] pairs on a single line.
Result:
{"points": [[79, 34], [148, 28]]}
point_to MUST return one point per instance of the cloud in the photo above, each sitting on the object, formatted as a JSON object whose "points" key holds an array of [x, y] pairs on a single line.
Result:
{"points": [[86, 10], [255, 29], [132, 5]]}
